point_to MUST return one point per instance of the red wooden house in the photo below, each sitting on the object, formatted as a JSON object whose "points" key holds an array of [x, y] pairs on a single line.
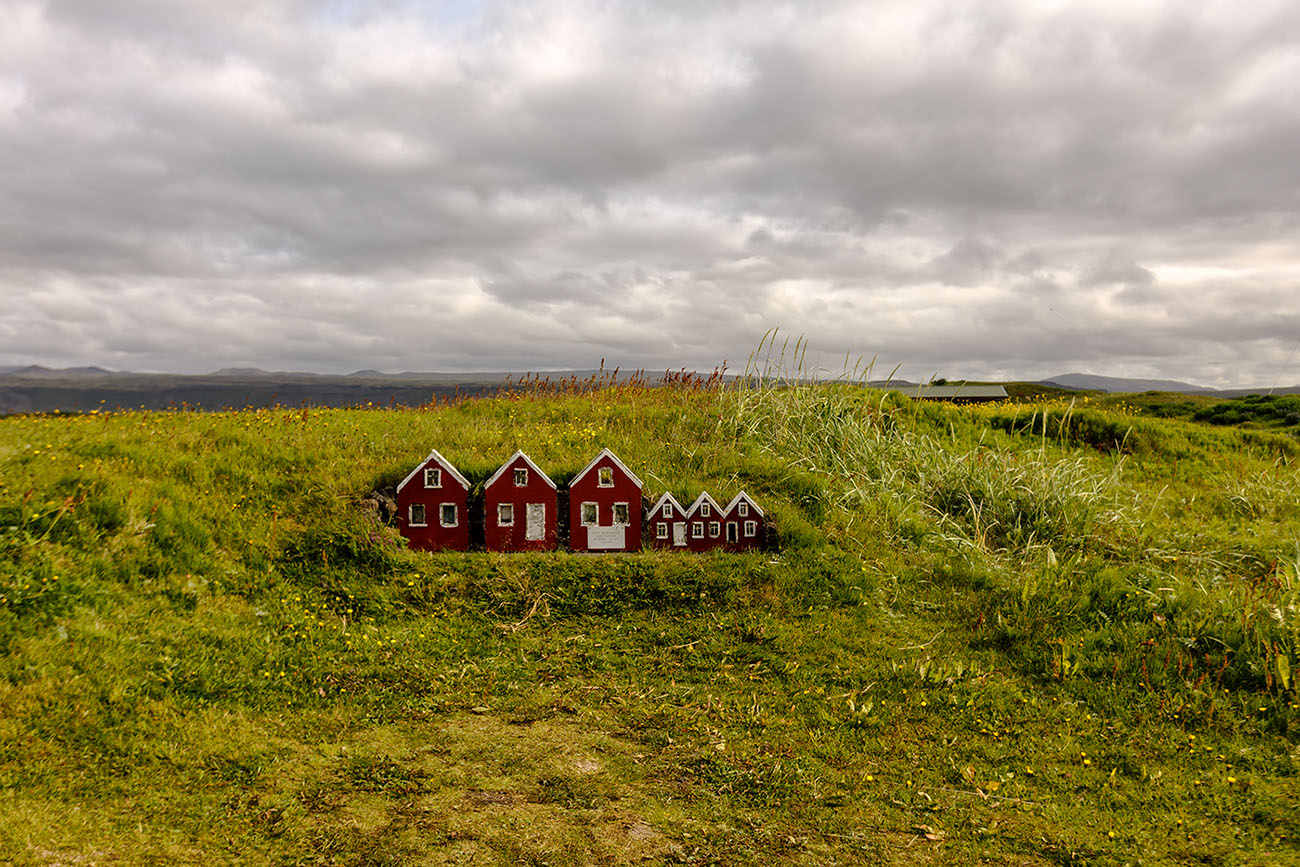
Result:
{"points": [[605, 506], [704, 524], [742, 524], [433, 506], [666, 523], [520, 508]]}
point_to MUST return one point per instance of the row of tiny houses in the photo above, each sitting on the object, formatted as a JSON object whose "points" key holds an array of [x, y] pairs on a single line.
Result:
{"points": [[521, 511]]}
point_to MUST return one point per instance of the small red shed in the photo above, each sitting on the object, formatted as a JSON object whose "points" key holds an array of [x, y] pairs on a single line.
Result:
{"points": [[433, 506], [704, 521], [666, 523], [742, 524], [605, 506], [520, 508]]}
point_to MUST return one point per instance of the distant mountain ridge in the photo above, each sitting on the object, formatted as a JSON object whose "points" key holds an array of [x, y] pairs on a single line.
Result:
{"points": [[39, 370], [35, 388], [1119, 384], [1095, 382]]}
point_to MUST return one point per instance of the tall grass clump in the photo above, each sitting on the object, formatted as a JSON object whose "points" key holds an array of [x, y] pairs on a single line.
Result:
{"points": [[1074, 547], [1233, 617], [910, 464]]}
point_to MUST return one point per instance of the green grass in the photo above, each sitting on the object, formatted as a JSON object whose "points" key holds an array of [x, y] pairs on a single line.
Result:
{"points": [[1269, 411], [1030, 634]]}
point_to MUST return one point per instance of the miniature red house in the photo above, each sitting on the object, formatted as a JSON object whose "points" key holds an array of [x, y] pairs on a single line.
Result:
{"points": [[433, 506], [666, 523], [742, 524], [605, 507], [520, 508], [704, 520]]}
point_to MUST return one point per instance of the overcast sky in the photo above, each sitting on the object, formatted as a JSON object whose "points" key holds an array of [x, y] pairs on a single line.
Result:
{"points": [[990, 189]]}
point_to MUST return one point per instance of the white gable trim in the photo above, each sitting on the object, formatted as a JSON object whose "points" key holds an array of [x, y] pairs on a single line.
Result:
{"points": [[622, 466], [659, 504], [441, 461], [701, 500], [527, 460], [743, 497]]}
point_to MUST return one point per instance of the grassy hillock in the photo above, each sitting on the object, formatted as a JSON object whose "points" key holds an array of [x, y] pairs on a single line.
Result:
{"points": [[1279, 413], [1034, 634]]}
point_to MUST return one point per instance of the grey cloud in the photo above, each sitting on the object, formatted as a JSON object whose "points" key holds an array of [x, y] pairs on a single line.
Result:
{"points": [[1115, 269], [971, 260], [566, 288], [1138, 295]]}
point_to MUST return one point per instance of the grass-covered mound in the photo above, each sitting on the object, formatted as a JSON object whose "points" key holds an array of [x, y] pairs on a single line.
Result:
{"points": [[1036, 635]]}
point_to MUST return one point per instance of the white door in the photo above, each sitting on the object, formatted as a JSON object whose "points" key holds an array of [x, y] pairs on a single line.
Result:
{"points": [[535, 528], [679, 533]]}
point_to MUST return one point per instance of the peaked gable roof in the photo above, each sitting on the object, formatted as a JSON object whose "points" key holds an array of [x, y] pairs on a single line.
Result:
{"points": [[622, 466], [666, 498], [745, 498], [436, 456], [518, 454], [701, 500]]}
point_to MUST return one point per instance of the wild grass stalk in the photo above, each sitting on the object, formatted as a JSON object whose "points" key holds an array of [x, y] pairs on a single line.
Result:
{"points": [[880, 448], [1056, 535]]}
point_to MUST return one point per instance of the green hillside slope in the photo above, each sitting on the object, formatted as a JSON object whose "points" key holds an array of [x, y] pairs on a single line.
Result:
{"points": [[1042, 634]]}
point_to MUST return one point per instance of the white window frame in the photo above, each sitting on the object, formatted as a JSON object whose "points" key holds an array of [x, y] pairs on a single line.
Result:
{"points": [[742, 509], [751, 528], [667, 510], [505, 514], [432, 477], [627, 515], [521, 477], [595, 514], [697, 530], [410, 515], [715, 529], [442, 515], [704, 510], [605, 477], [661, 531]]}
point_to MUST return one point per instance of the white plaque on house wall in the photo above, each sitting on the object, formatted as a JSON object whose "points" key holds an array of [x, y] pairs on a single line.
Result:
{"points": [[607, 538]]}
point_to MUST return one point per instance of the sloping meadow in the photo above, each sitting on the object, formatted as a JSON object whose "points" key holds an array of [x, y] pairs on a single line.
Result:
{"points": [[986, 632], [1166, 549]]}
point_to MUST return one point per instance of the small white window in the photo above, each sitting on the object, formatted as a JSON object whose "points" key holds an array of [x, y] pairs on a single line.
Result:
{"points": [[588, 514], [505, 514], [521, 478], [742, 508], [697, 529], [668, 510], [751, 528], [606, 477], [704, 510], [433, 477], [447, 514], [415, 516], [620, 514], [733, 532], [661, 531], [714, 529]]}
